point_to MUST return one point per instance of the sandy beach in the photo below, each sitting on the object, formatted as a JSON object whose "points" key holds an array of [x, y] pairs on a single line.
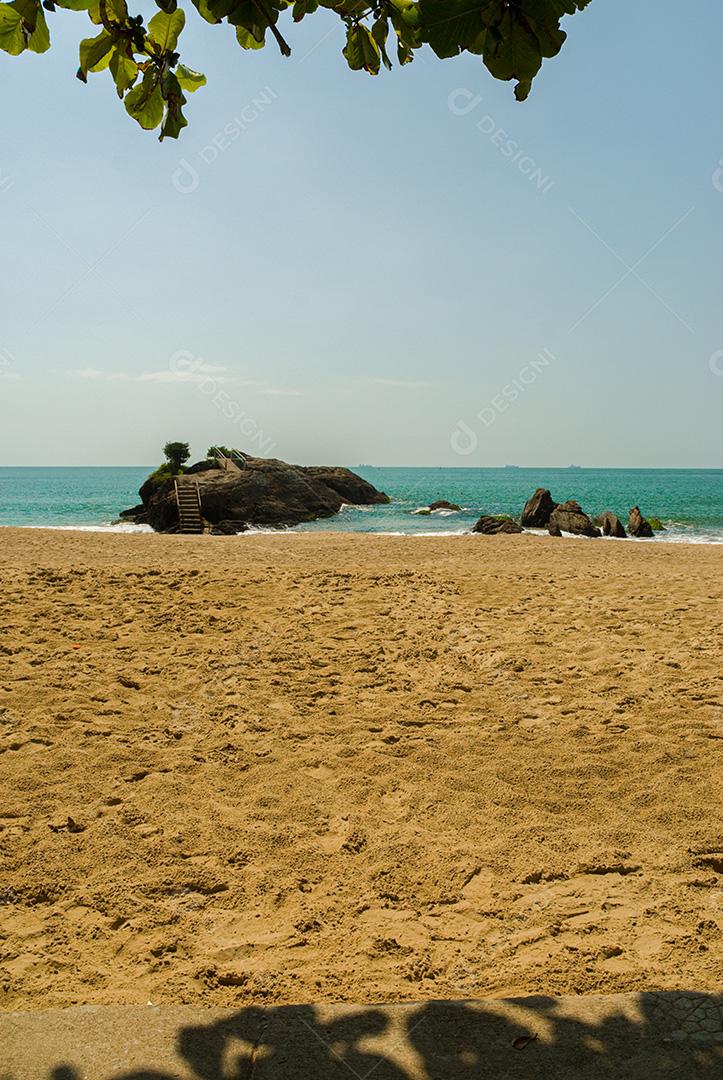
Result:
{"points": [[306, 768]]}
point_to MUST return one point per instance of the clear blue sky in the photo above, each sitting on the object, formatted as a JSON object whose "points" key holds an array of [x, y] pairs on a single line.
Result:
{"points": [[362, 266]]}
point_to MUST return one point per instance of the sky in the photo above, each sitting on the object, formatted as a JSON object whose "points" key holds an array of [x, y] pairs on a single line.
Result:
{"points": [[413, 269]]}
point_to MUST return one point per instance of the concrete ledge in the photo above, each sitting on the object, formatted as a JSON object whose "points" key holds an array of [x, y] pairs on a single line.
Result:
{"points": [[678, 1036]]}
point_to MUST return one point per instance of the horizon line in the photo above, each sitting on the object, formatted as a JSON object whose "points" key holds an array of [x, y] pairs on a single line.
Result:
{"points": [[512, 468]]}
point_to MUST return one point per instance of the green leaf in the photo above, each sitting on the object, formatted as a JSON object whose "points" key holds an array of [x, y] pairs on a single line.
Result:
{"points": [[569, 7], [405, 17], [12, 31], [93, 51], [380, 33], [35, 28], [247, 40], [361, 50], [404, 54], [35, 33], [516, 53], [145, 102], [188, 79], [103, 63], [522, 90], [167, 5], [174, 120], [39, 41], [304, 7], [117, 11], [451, 26], [221, 9], [350, 8], [248, 16], [124, 71], [164, 29], [103, 12], [28, 9], [173, 124], [543, 18], [204, 11]]}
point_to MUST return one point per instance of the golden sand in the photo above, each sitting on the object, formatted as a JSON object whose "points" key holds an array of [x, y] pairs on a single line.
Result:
{"points": [[321, 767]]}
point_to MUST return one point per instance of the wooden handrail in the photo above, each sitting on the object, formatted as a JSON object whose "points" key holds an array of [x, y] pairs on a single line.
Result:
{"points": [[235, 457]]}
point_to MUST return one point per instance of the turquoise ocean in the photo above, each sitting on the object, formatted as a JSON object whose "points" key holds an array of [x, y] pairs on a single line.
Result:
{"points": [[689, 502]]}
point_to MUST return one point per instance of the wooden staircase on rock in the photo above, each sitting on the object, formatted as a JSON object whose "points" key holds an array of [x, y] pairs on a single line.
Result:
{"points": [[188, 498]]}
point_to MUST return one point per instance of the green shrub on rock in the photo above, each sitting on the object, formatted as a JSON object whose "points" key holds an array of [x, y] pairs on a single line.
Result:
{"points": [[157, 478]]}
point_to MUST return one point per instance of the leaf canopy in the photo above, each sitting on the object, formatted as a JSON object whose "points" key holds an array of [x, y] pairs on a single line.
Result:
{"points": [[512, 37]]}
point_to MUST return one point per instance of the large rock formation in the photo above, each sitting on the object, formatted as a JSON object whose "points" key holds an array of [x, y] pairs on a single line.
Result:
{"points": [[264, 492], [612, 525], [637, 525], [570, 518], [538, 510], [492, 526]]}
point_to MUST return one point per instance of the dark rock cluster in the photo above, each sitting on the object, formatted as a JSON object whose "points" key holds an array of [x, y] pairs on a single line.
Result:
{"points": [[542, 512]]}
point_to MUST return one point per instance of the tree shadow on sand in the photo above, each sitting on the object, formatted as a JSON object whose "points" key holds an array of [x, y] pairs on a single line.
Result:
{"points": [[672, 1035]]}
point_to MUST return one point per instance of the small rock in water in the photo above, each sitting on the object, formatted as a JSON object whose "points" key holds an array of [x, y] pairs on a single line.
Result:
{"points": [[492, 526], [538, 509], [229, 528], [569, 517], [637, 525], [612, 525]]}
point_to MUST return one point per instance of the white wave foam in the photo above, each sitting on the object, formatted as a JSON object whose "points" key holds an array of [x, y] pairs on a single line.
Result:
{"points": [[264, 530], [121, 527], [667, 537], [435, 532], [681, 535]]}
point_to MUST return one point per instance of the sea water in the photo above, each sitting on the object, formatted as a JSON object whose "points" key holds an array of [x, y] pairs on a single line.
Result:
{"points": [[689, 502]]}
